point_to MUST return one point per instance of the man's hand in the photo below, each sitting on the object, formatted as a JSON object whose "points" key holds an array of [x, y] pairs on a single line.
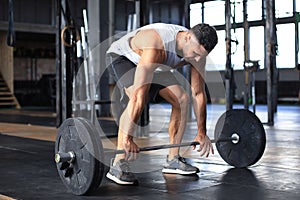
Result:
{"points": [[205, 145], [130, 148]]}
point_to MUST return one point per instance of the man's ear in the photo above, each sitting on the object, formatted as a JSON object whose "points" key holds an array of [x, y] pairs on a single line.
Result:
{"points": [[187, 37]]}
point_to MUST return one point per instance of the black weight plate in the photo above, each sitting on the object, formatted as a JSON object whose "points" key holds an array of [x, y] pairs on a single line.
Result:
{"points": [[82, 176], [99, 155], [252, 137]]}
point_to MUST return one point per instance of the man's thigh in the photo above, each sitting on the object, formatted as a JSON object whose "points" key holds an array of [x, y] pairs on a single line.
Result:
{"points": [[122, 70], [162, 81]]}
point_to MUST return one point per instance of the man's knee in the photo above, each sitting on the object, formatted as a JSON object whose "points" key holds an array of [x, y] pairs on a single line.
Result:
{"points": [[184, 99]]}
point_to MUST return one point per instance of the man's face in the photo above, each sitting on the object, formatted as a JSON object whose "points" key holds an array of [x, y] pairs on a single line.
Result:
{"points": [[192, 50]]}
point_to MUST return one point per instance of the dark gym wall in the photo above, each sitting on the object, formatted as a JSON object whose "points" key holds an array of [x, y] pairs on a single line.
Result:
{"points": [[29, 11], [167, 12], [160, 11], [122, 10]]}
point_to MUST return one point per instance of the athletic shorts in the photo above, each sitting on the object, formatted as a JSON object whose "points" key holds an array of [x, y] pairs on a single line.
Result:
{"points": [[122, 70]]}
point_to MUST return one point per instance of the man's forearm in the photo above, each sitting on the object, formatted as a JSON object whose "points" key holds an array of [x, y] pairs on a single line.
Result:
{"points": [[199, 102]]}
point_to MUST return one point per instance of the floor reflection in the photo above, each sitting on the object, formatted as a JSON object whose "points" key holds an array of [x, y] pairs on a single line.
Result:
{"points": [[240, 183], [175, 183]]}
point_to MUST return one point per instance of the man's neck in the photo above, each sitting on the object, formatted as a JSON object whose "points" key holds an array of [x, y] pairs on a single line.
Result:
{"points": [[179, 42]]}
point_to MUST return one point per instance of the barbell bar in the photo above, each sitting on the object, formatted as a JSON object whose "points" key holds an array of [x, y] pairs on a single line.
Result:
{"points": [[70, 156], [239, 136]]}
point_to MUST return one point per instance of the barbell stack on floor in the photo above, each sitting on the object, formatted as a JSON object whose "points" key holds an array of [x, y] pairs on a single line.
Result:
{"points": [[239, 136]]}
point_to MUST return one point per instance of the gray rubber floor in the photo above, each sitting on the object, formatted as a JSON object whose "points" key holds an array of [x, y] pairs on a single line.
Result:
{"points": [[27, 169]]}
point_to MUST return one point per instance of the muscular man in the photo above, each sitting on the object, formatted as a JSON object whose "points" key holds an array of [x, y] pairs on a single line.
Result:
{"points": [[146, 58]]}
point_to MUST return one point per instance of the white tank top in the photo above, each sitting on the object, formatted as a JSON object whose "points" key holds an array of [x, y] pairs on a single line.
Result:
{"points": [[167, 32]]}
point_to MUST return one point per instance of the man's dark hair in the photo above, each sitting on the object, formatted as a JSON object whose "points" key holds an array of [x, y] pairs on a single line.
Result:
{"points": [[206, 36]]}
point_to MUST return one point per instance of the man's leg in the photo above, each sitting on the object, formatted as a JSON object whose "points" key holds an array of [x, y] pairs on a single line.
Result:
{"points": [[122, 70], [120, 171], [179, 99]]}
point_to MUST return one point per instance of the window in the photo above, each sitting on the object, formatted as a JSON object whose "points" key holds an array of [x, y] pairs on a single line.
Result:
{"points": [[237, 57], [237, 10], [298, 13], [298, 46], [254, 10], [284, 8], [217, 57], [196, 14], [214, 12], [256, 44], [286, 46]]}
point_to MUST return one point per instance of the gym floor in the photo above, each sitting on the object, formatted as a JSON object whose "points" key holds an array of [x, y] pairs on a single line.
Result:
{"points": [[28, 171]]}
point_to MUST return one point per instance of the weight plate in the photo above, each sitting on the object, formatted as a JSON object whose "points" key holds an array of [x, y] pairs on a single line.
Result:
{"points": [[84, 174], [98, 155], [252, 138]]}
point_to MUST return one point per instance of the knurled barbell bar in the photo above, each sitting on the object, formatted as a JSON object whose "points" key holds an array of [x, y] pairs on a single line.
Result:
{"points": [[70, 156], [239, 136]]}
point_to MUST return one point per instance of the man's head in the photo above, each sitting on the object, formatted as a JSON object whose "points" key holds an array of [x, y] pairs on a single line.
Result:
{"points": [[206, 36], [199, 41]]}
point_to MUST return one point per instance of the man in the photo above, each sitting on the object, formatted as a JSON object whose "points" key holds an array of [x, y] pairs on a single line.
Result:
{"points": [[149, 55]]}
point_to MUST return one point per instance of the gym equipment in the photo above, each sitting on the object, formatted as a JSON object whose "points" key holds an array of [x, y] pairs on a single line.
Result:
{"points": [[239, 137], [249, 147], [78, 149], [250, 68]]}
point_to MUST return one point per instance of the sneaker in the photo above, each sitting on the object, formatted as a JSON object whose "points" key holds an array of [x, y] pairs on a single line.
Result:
{"points": [[178, 165], [120, 173]]}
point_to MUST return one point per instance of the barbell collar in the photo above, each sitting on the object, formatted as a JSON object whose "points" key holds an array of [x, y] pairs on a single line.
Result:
{"points": [[65, 157], [235, 138]]}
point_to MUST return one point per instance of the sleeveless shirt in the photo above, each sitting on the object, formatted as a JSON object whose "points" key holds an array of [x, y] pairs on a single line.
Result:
{"points": [[167, 32]]}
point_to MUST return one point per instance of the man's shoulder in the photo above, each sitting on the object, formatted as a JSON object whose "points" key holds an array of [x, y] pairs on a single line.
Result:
{"points": [[148, 38], [163, 26]]}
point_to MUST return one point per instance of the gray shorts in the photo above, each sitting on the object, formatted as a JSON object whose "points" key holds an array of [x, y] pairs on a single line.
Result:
{"points": [[122, 70]]}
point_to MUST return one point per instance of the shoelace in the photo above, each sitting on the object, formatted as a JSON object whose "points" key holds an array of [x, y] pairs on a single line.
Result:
{"points": [[181, 159], [125, 167]]}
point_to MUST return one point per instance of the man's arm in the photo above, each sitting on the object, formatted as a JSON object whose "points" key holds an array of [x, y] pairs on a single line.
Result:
{"points": [[199, 103], [147, 45], [139, 90], [150, 47], [199, 97]]}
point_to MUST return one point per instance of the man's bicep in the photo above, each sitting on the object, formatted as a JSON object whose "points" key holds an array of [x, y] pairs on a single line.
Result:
{"points": [[151, 58], [150, 47]]}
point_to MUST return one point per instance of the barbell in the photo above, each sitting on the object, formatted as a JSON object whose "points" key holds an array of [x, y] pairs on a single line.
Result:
{"points": [[239, 136]]}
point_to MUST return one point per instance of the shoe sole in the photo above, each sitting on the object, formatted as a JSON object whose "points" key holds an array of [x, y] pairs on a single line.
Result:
{"points": [[118, 181], [178, 171]]}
